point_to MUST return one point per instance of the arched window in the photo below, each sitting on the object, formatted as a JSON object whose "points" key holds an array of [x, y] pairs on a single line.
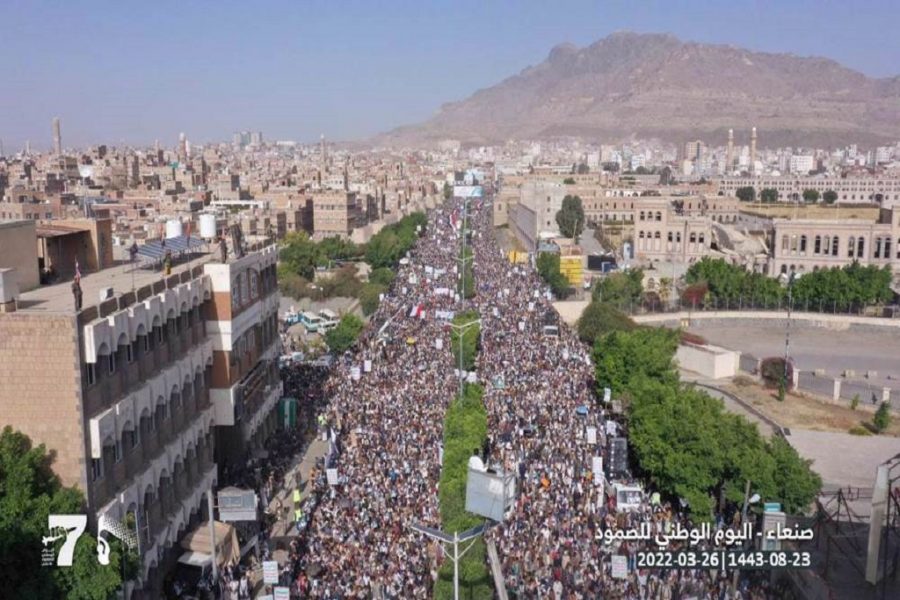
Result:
{"points": [[887, 247], [851, 247], [834, 246], [803, 244], [658, 216], [860, 247], [784, 243], [877, 251], [794, 244], [817, 245]]}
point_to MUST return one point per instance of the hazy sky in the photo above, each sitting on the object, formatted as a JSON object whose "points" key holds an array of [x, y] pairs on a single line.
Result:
{"points": [[137, 71]]}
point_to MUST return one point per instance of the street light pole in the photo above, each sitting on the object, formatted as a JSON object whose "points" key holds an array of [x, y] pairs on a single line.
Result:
{"points": [[787, 332], [455, 540]]}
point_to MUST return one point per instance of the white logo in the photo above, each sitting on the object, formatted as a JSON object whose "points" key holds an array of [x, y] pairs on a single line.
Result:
{"points": [[71, 527], [63, 526]]}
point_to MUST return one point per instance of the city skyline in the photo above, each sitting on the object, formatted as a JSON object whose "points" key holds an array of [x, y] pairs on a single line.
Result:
{"points": [[314, 70]]}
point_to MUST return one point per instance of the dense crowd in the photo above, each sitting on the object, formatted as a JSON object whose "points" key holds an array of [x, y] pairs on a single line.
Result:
{"points": [[386, 403]]}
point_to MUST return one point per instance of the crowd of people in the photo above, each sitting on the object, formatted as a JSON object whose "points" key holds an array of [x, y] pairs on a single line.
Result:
{"points": [[386, 401]]}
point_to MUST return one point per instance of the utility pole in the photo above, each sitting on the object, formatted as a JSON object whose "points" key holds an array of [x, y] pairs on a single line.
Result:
{"points": [[787, 332]]}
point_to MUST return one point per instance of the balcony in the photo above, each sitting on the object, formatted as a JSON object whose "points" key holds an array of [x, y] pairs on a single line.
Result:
{"points": [[134, 461]]}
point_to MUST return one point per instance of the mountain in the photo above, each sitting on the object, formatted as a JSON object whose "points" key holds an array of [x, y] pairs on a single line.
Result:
{"points": [[654, 85]]}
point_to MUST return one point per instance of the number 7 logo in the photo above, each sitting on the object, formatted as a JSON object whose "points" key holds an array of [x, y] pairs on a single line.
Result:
{"points": [[73, 526]]}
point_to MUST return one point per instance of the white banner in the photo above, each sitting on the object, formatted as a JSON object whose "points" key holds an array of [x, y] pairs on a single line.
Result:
{"points": [[619, 566], [270, 571], [367, 366], [354, 373], [592, 435], [607, 394], [597, 467], [332, 476], [439, 343], [281, 593]]}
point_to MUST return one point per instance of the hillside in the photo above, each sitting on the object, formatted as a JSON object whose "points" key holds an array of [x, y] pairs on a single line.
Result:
{"points": [[654, 85]]}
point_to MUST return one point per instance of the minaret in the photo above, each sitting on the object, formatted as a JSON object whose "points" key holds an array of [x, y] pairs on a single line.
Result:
{"points": [[324, 148], [729, 152], [182, 146], [753, 150], [57, 137]]}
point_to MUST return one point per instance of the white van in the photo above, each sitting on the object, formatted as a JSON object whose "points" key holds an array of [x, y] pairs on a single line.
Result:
{"points": [[329, 319]]}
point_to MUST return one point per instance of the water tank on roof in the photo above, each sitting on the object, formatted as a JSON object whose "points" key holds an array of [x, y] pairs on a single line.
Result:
{"points": [[208, 226], [173, 228]]}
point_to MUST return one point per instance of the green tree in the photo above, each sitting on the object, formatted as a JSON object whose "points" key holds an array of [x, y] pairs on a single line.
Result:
{"points": [[300, 254], [829, 197], [383, 276], [583, 169], [369, 297], [568, 181], [811, 196], [465, 339], [448, 191], [29, 492], [600, 318], [384, 249], [796, 484], [622, 288], [768, 195], [570, 217], [337, 248], [882, 418], [621, 356], [746, 194], [549, 270], [342, 337]]}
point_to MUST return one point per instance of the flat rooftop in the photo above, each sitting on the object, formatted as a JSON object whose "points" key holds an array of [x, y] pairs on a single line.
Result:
{"points": [[57, 298]]}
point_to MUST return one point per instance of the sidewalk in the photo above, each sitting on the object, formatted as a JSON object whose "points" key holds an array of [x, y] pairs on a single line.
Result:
{"points": [[302, 467]]}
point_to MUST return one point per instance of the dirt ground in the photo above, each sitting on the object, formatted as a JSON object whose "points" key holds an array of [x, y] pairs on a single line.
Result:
{"points": [[805, 412]]}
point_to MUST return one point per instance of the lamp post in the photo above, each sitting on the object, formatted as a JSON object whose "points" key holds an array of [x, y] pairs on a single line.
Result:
{"points": [[454, 541], [787, 331], [460, 330]]}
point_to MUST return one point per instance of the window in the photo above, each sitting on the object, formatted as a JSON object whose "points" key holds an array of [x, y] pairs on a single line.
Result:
{"points": [[146, 342], [117, 451], [254, 285], [860, 248], [887, 247], [803, 244], [91, 374], [877, 252], [236, 293], [658, 216], [784, 243], [700, 238], [851, 247], [642, 215], [129, 353], [693, 238], [159, 334], [96, 469], [817, 244], [111, 362]]}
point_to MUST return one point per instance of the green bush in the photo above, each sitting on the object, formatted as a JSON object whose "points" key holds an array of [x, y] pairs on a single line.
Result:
{"points": [[854, 403], [882, 418], [343, 283], [600, 318], [857, 430], [549, 270], [465, 429], [772, 372], [622, 289]]}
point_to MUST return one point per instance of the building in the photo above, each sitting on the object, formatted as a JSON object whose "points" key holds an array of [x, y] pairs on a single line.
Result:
{"points": [[154, 378], [18, 251], [805, 245], [801, 164], [879, 189], [337, 212], [664, 232]]}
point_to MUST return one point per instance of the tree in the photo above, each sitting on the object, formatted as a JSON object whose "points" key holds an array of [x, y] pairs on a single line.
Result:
{"points": [[811, 196], [384, 249], [382, 275], [369, 297], [796, 484], [769, 195], [830, 197], [621, 288], [600, 318], [882, 418], [549, 270], [340, 338], [468, 338], [746, 194], [337, 248], [570, 217], [622, 356], [568, 181], [583, 169], [300, 254], [448, 191], [29, 493]]}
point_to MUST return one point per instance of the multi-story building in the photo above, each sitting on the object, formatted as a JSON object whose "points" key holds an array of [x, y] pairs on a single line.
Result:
{"points": [[337, 212], [661, 232], [131, 391], [804, 245], [880, 189]]}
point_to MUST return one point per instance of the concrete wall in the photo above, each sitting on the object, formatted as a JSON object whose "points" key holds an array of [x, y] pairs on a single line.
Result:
{"points": [[710, 361], [19, 251]]}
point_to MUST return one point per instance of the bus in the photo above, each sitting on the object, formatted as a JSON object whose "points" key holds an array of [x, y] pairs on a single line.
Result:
{"points": [[310, 321], [329, 318]]}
